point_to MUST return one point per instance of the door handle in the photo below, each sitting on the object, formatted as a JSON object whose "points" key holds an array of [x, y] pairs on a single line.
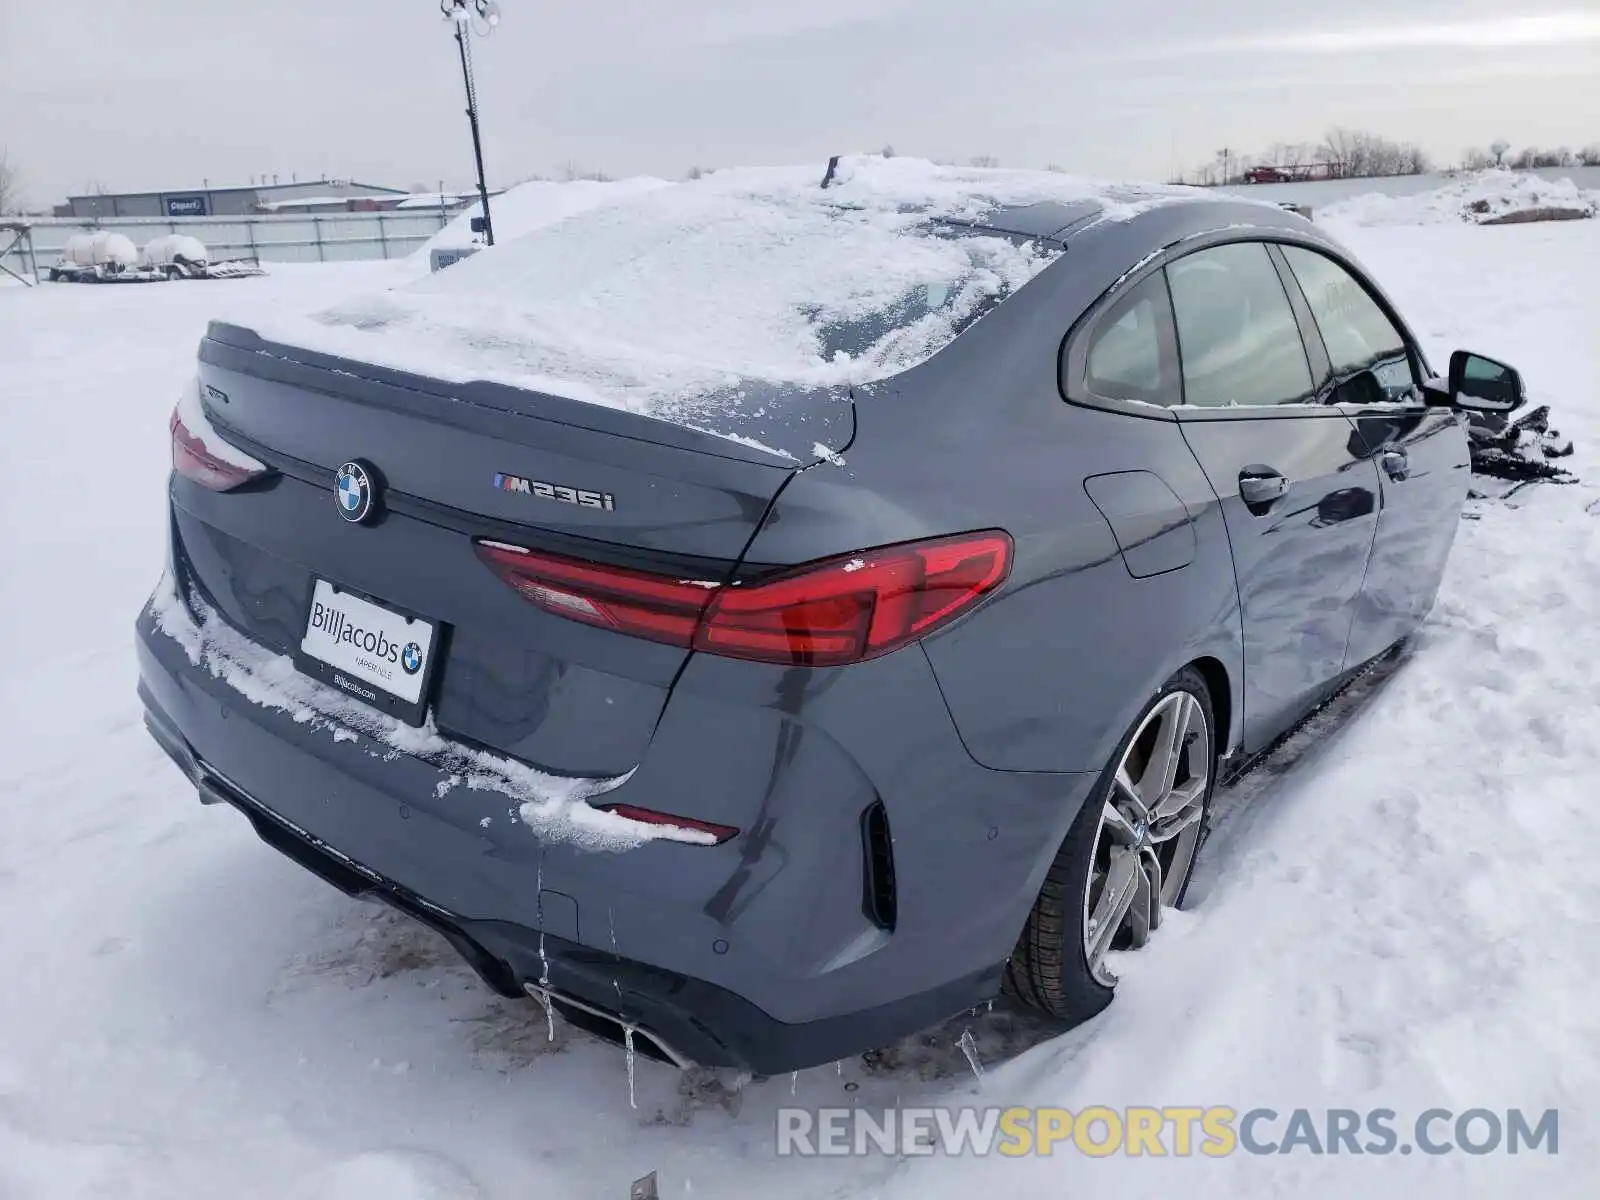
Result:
{"points": [[1396, 465], [1261, 487]]}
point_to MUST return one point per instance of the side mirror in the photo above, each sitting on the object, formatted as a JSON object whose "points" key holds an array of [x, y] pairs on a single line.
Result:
{"points": [[1479, 384]]}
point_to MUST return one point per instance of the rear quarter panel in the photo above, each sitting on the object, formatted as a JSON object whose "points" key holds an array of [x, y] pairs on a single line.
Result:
{"points": [[1048, 674]]}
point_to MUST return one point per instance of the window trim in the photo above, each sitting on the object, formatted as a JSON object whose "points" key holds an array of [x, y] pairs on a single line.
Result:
{"points": [[1166, 339], [1311, 331], [1258, 410], [1072, 362]]}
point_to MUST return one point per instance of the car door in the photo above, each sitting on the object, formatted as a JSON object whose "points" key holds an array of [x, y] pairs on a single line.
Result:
{"points": [[1372, 371], [1297, 484]]}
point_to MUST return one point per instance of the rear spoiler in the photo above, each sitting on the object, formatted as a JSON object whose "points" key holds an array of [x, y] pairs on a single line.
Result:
{"points": [[816, 419]]}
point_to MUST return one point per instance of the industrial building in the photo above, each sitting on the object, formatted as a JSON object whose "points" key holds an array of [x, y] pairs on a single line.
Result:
{"points": [[205, 201]]}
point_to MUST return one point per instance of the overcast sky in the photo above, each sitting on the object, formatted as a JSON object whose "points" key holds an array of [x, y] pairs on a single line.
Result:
{"points": [[141, 94]]}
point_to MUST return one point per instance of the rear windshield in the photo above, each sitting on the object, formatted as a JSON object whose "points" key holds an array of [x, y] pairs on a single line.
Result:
{"points": [[693, 291], [928, 316]]}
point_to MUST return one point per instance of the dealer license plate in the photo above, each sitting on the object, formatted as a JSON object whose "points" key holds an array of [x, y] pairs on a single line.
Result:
{"points": [[368, 650]]}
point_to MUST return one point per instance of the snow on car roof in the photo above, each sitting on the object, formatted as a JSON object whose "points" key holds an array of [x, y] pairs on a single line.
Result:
{"points": [[539, 202], [688, 292]]}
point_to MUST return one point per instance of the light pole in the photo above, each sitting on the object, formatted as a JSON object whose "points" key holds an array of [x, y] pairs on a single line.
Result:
{"points": [[458, 13]]}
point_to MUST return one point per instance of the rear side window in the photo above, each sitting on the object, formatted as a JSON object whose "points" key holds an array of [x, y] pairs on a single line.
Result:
{"points": [[1237, 335], [1368, 353], [1130, 356]]}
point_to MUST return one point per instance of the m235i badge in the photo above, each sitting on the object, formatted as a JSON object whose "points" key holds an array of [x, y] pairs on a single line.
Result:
{"points": [[555, 491]]}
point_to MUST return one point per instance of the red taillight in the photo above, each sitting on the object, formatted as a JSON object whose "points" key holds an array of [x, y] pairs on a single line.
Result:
{"points": [[857, 606], [200, 454], [829, 613], [648, 816], [636, 602]]}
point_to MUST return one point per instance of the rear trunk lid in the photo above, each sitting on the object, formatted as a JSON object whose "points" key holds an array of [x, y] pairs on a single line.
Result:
{"points": [[650, 482], [456, 463]]}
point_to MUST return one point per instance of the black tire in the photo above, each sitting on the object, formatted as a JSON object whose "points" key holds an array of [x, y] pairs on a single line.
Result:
{"points": [[1049, 969]]}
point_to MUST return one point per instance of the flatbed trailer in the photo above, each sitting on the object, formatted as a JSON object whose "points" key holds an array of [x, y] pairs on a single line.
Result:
{"points": [[231, 268]]}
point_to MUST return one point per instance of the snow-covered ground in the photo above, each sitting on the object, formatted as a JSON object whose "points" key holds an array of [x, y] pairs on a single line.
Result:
{"points": [[1479, 196], [1408, 918]]}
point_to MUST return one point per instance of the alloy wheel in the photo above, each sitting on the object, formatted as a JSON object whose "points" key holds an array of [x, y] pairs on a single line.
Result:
{"points": [[1150, 824]]}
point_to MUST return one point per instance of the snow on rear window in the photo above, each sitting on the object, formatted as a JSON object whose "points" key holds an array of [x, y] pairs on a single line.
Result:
{"points": [[659, 303]]}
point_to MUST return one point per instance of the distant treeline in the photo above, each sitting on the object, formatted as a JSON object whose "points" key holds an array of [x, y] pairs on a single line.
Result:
{"points": [[1358, 154], [1531, 156], [1340, 154]]}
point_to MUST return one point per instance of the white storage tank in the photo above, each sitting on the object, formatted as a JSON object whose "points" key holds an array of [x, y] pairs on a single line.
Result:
{"points": [[175, 248], [101, 248]]}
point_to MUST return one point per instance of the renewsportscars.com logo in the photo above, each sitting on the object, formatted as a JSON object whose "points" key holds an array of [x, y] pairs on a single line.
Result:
{"points": [[337, 624], [1171, 1131]]}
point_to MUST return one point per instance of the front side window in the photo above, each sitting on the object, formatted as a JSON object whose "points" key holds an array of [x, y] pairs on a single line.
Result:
{"points": [[1237, 335], [1129, 358], [1369, 356]]}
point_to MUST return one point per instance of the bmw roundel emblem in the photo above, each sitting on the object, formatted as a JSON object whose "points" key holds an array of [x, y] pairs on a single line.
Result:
{"points": [[354, 491], [411, 658]]}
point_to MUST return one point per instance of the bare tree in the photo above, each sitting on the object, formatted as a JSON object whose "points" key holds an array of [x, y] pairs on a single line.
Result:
{"points": [[1289, 154], [1476, 159], [1355, 153], [1533, 156], [888, 150], [1559, 157], [1414, 160], [1339, 148], [571, 171], [1376, 156], [10, 183], [1589, 156], [983, 160]]}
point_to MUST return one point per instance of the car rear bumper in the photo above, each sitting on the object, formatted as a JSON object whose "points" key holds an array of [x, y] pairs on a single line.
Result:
{"points": [[758, 954], [689, 1022]]}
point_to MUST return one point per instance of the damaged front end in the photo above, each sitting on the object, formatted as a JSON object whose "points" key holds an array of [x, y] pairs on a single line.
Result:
{"points": [[1508, 454]]}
